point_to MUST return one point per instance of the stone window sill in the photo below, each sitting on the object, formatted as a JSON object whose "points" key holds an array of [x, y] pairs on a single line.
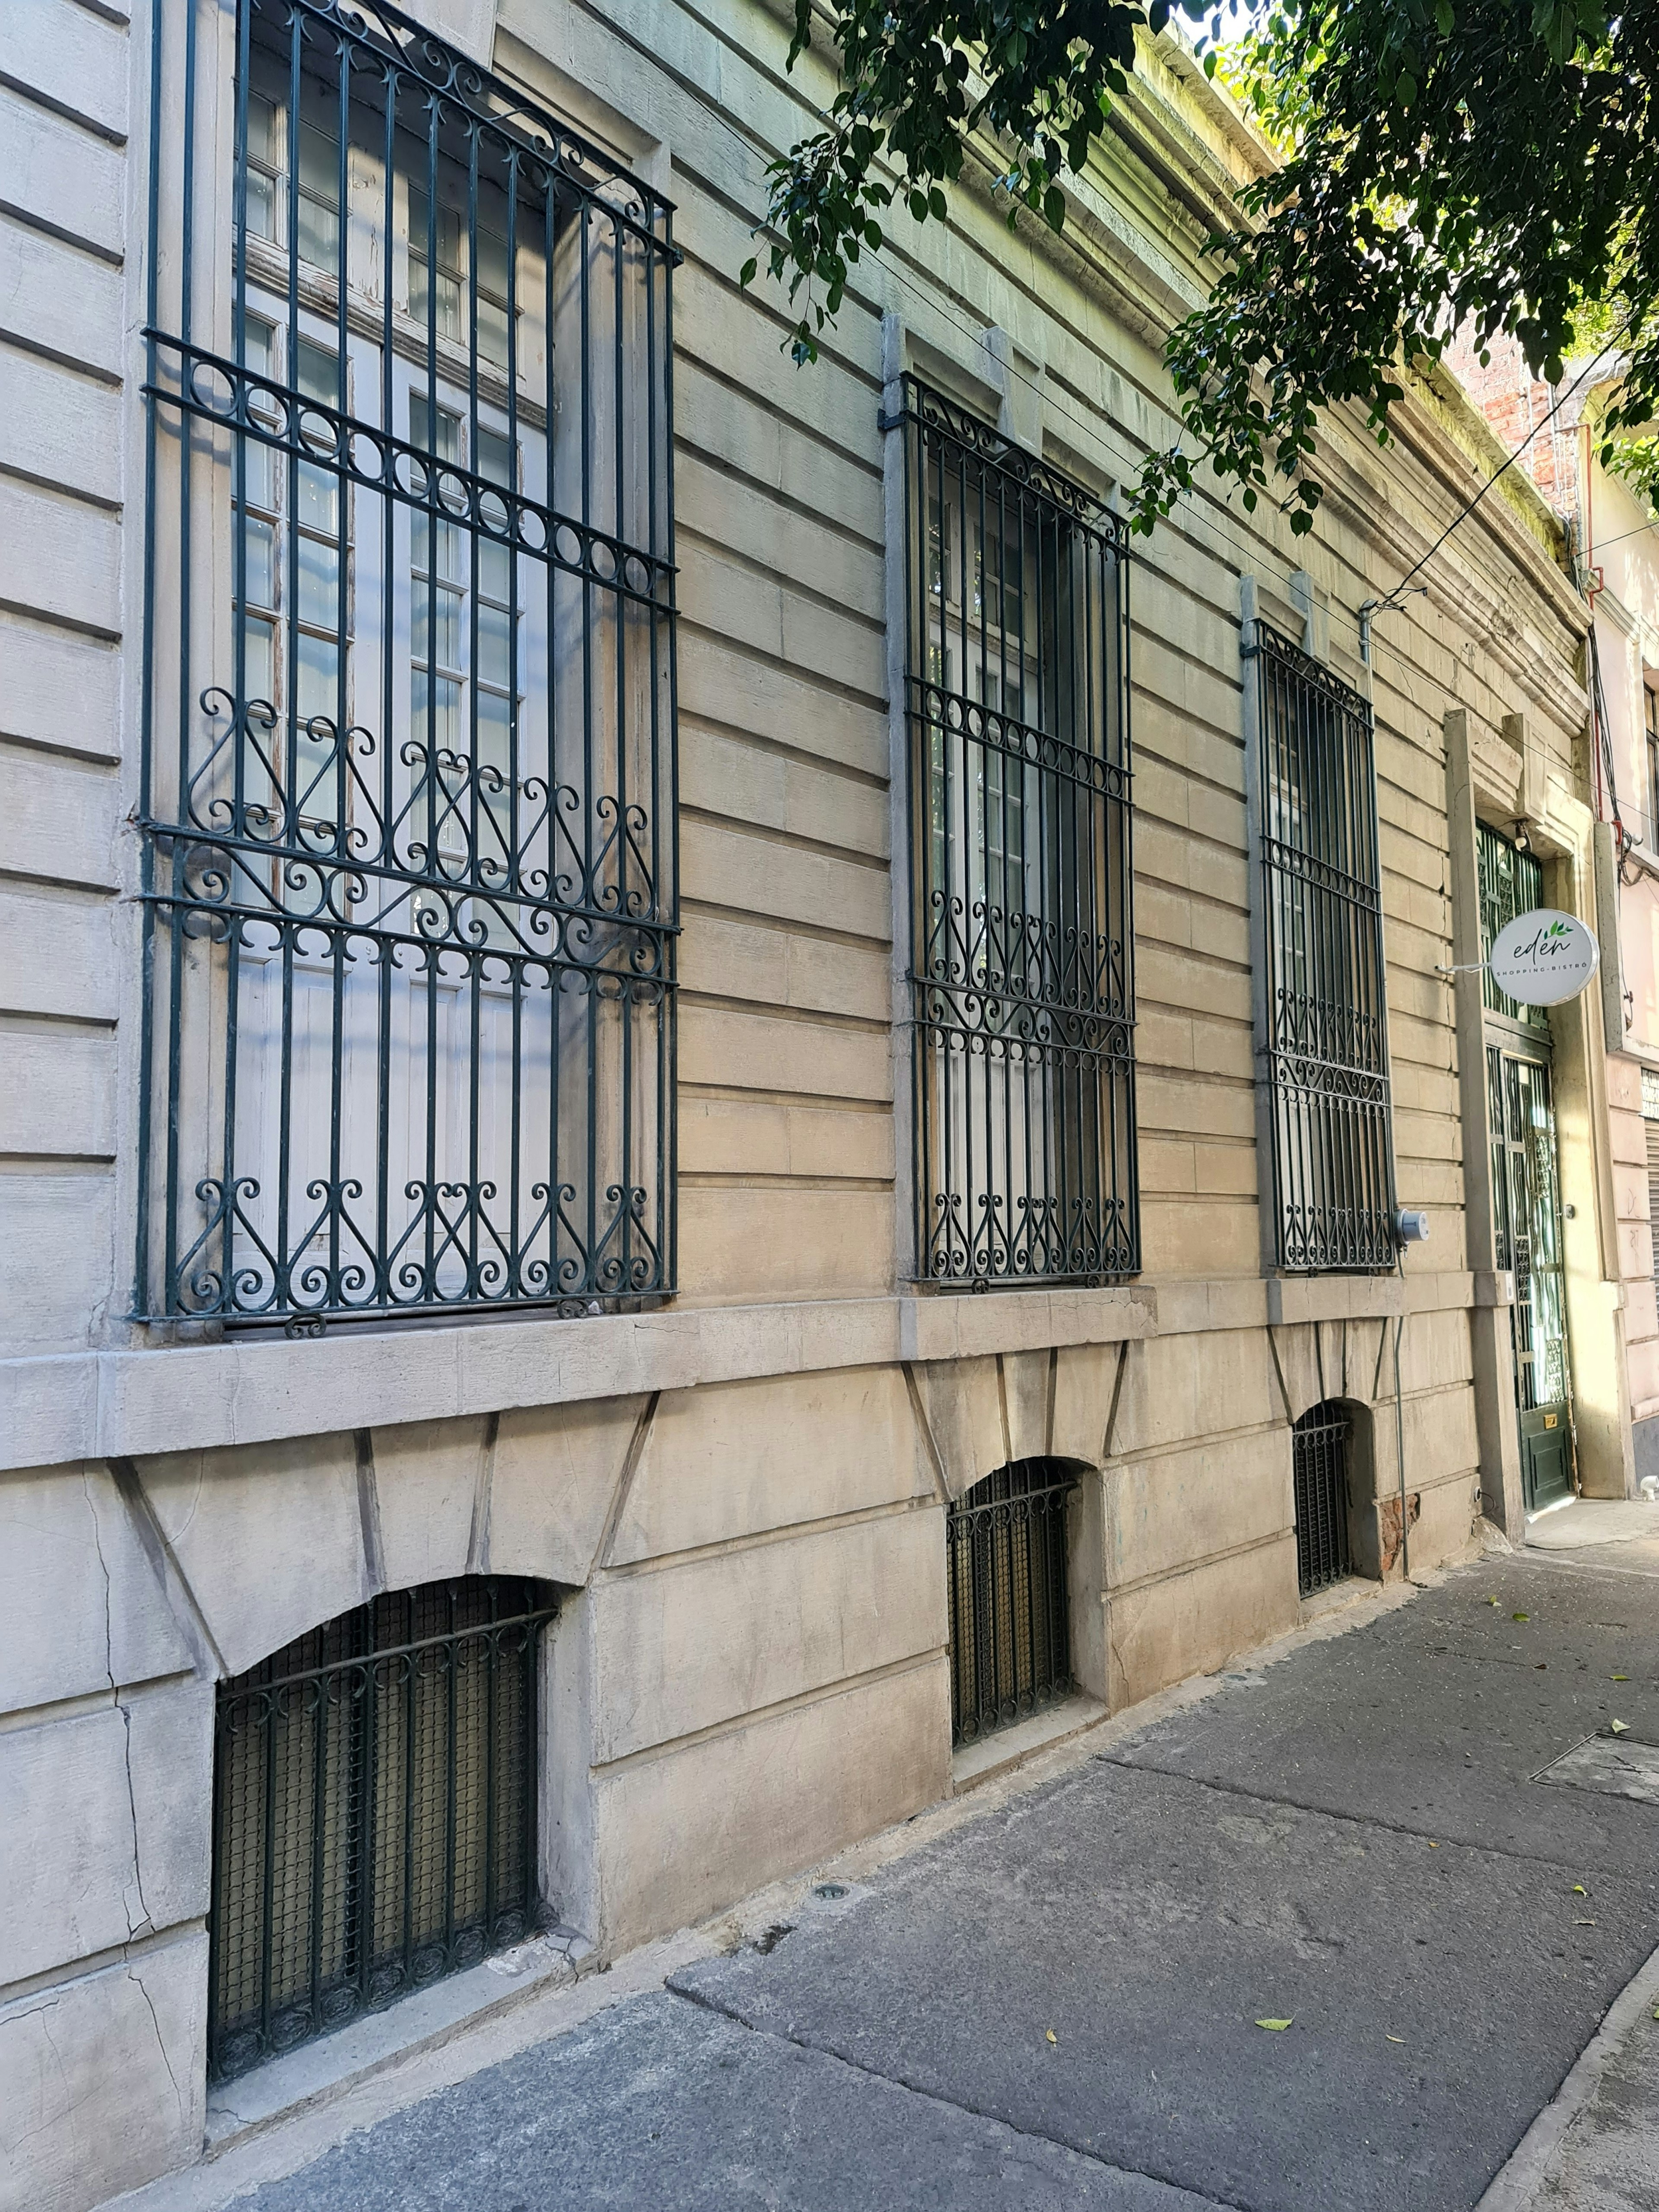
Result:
{"points": [[994, 1754]]}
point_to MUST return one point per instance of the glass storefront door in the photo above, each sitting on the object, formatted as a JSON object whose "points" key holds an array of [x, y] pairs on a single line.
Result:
{"points": [[1526, 1191]]}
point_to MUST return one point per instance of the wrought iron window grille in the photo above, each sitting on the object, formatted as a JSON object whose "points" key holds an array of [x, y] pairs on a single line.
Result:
{"points": [[1021, 963], [1326, 1046], [408, 789], [1011, 1637], [1321, 1444], [373, 1811]]}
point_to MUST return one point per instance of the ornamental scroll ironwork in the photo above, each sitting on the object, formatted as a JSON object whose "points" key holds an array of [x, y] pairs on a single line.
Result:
{"points": [[1021, 962], [409, 783], [1327, 1041]]}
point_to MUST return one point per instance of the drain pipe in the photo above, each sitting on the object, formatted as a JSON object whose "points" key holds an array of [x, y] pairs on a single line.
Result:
{"points": [[1400, 1442], [1410, 1227]]}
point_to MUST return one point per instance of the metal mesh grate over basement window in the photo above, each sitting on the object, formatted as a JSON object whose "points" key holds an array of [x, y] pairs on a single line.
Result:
{"points": [[1021, 969], [1010, 1646], [374, 1811], [1320, 1444], [1327, 1015], [409, 795]]}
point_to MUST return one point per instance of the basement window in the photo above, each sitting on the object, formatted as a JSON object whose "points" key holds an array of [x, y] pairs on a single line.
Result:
{"points": [[374, 1795]]}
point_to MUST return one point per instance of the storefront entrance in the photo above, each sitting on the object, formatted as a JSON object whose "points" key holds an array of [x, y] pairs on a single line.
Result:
{"points": [[1525, 1179], [1527, 1187]]}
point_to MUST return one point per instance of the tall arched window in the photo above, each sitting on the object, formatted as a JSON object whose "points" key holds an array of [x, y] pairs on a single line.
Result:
{"points": [[1326, 1008], [1011, 1645], [374, 1810], [408, 873], [1021, 980]]}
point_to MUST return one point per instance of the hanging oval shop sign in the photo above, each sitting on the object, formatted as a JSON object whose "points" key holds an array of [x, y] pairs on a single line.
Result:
{"points": [[1544, 957]]}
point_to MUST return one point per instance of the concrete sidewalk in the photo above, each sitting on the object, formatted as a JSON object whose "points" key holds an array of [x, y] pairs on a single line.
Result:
{"points": [[1409, 1838]]}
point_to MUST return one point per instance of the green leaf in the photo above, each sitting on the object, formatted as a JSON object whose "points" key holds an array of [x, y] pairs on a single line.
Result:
{"points": [[1441, 163], [749, 266], [1277, 2025]]}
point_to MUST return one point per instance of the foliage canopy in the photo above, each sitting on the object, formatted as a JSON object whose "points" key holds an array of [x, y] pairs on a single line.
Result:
{"points": [[1491, 165]]}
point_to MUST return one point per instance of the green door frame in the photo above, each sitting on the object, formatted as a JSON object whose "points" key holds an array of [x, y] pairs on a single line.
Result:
{"points": [[1526, 1173]]}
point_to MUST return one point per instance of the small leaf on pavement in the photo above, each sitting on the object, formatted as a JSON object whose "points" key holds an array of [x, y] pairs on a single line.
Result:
{"points": [[1052, 2037], [1276, 2025], [1619, 1678], [1492, 1601], [1401, 2038], [1520, 1616], [1619, 1727]]}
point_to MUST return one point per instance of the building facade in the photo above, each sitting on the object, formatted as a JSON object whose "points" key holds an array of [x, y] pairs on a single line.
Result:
{"points": [[707, 1098], [1551, 431]]}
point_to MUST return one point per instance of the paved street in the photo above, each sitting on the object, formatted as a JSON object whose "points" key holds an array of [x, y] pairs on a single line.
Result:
{"points": [[1060, 2002]]}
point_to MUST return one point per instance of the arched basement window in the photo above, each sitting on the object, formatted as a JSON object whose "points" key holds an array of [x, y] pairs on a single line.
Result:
{"points": [[1010, 1646], [1319, 1450], [373, 1811]]}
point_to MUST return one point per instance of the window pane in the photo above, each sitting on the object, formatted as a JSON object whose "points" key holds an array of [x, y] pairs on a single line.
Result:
{"points": [[319, 198], [318, 374], [492, 332], [494, 646], [319, 234], [436, 712], [318, 678], [259, 542], [436, 621], [261, 206], [448, 445], [450, 304], [257, 648], [496, 457], [258, 460], [495, 570], [492, 261], [319, 165], [318, 492], [318, 594], [494, 749]]}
